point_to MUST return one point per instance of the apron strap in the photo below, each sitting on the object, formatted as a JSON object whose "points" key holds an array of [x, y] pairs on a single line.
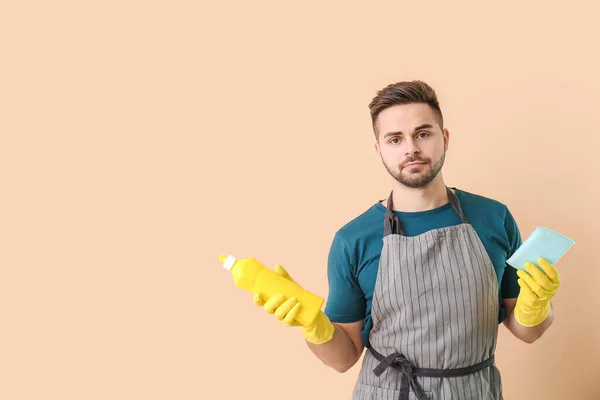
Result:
{"points": [[391, 223], [456, 206], [408, 372]]}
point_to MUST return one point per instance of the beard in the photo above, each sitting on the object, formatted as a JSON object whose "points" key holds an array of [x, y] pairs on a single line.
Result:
{"points": [[419, 178]]}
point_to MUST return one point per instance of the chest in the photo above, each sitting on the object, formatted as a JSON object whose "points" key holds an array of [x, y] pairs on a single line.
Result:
{"points": [[426, 260]]}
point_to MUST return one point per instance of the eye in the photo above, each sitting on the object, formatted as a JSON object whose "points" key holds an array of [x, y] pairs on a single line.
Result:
{"points": [[394, 140], [423, 134]]}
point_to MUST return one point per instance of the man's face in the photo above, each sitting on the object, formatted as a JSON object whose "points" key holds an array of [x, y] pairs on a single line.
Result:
{"points": [[411, 143]]}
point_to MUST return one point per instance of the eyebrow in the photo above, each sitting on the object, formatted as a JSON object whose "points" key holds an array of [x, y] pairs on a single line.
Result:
{"points": [[418, 128]]}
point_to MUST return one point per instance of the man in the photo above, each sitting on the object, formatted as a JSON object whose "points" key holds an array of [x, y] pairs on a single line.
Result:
{"points": [[420, 279]]}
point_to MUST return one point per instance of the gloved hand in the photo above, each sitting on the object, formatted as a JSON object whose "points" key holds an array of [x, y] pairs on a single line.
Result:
{"points": [[537, 289], [321, 331]]}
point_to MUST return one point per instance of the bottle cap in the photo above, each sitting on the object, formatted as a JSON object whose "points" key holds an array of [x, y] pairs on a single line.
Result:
{"points": [[227, 261]]}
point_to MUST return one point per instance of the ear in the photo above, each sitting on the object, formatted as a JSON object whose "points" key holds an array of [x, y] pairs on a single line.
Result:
{"points": [[376, 146], [446, 138]]}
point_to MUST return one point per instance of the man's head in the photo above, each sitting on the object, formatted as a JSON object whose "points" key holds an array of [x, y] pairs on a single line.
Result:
{"points": [[409, 131]]}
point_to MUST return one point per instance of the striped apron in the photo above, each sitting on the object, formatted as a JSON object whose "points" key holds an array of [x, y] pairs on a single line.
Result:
{"points": [[435, 317]]}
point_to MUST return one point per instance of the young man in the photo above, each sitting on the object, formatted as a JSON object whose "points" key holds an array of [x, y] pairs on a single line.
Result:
{"points": [[420, 278]]}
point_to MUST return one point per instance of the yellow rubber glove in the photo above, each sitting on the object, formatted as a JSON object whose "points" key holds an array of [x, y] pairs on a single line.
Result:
{"points": [[321, 331], [537, 289]]}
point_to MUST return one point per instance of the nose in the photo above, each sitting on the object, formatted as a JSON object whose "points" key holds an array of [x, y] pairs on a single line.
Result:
{"points": [[411, 148]]}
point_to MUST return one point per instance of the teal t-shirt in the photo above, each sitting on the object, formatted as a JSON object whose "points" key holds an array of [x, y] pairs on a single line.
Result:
{"points": [[354, 255]]}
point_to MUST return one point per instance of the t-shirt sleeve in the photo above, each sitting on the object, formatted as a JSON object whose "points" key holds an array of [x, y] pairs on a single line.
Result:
{"points": [[510, 288], [346, 301]]}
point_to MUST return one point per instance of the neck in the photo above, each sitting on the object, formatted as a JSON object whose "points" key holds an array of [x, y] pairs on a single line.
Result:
{"points": [[426, 198]]}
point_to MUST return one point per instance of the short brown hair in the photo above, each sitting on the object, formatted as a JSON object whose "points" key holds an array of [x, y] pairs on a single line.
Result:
{"points": [[405, 92]]}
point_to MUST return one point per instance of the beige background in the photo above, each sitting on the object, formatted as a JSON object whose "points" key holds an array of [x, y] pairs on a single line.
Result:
{"points": [[140, 140]]}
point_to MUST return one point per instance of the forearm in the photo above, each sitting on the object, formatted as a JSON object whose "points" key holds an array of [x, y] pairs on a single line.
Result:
{"points": [[529, 334], [339, 353]]}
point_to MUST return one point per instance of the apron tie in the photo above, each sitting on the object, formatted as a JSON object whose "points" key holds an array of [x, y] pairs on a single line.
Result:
{"points": [[409, 373], [400, 362]]}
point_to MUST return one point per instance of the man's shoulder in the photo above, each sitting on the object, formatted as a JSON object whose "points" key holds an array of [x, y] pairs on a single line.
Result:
{"points": [[484, 209], [367, 220], [474, 200]]}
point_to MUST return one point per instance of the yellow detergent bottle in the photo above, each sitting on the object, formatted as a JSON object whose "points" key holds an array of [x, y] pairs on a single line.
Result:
{"points": [[251, 275]]}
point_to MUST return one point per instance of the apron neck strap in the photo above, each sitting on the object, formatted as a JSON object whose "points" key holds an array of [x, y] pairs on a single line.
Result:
{"points": [[392, 223], [456, 206]]}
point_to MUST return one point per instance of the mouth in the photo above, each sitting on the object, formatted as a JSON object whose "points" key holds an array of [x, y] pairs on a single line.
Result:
{"points": [[412, 164]]}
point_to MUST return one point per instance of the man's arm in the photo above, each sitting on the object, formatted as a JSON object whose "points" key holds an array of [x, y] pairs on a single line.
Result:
{"points": [[344, 349], [346, 306], [337, 345], [529, 292], [526, 334]]}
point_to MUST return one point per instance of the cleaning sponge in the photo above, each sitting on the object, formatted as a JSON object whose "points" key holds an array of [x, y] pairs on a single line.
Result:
{"points": [[544, 243]]}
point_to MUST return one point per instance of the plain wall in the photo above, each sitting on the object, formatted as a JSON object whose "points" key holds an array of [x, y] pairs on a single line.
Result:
{"points": [[140, 140]]}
